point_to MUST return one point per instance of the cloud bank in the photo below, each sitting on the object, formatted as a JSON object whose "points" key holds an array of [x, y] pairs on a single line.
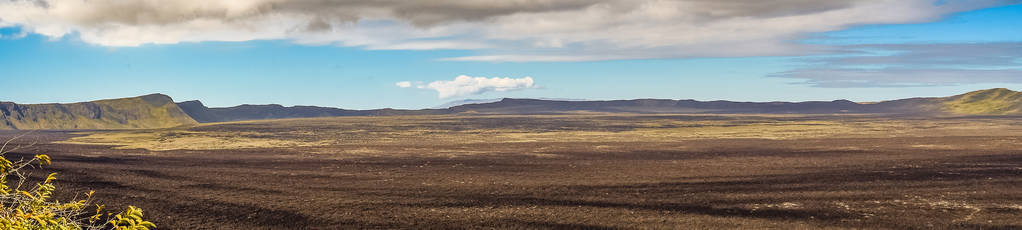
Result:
{"points": [[465, 85], [908, 65], [500, 30]]}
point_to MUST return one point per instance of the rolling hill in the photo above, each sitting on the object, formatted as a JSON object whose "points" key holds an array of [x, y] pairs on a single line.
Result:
{"points": [[149, 111], [986, 102]]}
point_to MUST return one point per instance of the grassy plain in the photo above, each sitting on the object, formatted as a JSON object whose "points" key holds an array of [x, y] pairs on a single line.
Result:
{"points": [[591, 171]]}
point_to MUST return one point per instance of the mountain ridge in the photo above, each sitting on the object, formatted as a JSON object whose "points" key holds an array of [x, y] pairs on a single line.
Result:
{"points": [[245, 112], [160, 111], [936, 106], [148, 111]]}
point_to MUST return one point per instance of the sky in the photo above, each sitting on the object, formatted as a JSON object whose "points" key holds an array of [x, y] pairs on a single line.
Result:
{"points": [[365, 54]]}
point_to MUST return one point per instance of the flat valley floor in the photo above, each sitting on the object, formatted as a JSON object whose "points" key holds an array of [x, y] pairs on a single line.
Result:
{"points": [[583, 171]]}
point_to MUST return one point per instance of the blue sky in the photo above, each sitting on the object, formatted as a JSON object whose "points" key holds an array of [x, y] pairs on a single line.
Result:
{"points": [[859, 61]]}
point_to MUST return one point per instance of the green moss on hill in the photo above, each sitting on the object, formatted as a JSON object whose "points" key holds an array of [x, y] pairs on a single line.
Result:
{"points": [[150, 111], [986, 102]]}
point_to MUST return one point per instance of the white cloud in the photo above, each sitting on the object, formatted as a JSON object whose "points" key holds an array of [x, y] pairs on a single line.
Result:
{"points": [[466, 85], [500, 30]]}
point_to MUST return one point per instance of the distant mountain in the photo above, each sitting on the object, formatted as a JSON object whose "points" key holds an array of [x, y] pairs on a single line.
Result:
{"points": [[465, 102], [998, 101], [983, 102], [484, 101], [536, 106], [149, 111], [204, 114], [159, 111]]}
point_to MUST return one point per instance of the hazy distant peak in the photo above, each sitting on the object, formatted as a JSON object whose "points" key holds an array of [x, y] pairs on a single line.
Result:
{"points": [[263, 105], [465, 102]]}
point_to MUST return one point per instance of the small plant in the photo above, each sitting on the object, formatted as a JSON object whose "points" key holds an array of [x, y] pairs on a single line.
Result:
{"points": [[26, 207]]}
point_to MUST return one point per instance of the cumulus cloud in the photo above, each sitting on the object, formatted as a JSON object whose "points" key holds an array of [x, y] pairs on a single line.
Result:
{"points": [[467, 85], [906, 65], [501, 30]]}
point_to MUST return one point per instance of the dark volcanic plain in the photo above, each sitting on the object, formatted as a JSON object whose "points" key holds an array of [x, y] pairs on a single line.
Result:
{"points": [[586, 171]]}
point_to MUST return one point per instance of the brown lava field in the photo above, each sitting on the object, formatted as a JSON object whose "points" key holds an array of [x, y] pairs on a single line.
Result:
{"points": [[588, 171]]}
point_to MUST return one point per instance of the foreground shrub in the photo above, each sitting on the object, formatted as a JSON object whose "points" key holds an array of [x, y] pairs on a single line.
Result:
{"points": [[31, 207]]}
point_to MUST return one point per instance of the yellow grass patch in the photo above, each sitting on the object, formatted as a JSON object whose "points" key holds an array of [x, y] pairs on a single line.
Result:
{"points": [[182, 140], [455, 135]]}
